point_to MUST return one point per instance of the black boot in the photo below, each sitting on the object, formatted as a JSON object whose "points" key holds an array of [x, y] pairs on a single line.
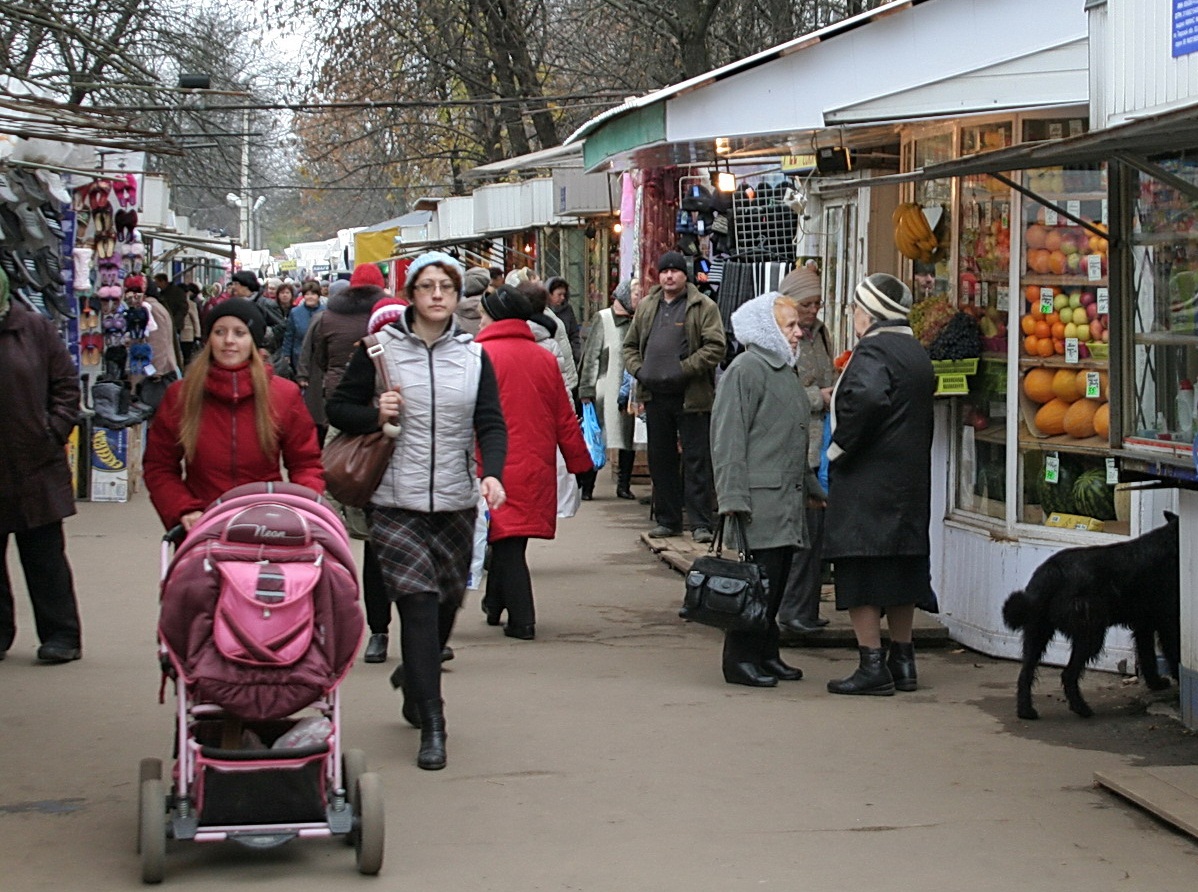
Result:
{"points": [[872, 677], [432, 736], [901, 664], [409, 710], [748, 674], [775, 667]]}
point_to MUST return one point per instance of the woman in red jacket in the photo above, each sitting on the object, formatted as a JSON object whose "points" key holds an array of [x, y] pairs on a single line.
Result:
{"points": [[227, 422], [540, 420]]}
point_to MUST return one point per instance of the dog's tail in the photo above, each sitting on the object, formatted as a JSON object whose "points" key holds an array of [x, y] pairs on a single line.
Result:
{"points": [[1017, 610]]}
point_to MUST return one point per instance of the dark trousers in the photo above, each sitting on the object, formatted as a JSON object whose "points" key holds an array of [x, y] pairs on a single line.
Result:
{"points": [[753, 647], [509, 584], [800, 600], [668, 426], [374, 592], [419, 645], [626, 458], [51, 587]]}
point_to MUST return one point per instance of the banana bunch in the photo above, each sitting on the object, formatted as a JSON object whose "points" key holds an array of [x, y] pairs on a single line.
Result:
{"points": [[912, 235]]}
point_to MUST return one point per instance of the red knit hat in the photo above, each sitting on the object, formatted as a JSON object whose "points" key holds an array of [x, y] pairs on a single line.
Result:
{"points": [[386, 311], [135, 283], [366, 274]]}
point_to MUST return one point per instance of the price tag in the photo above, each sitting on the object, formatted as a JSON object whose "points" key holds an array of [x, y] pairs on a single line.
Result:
{"points": [[1051, 217], [1093, 267], [150, 371], [1104, 219], [1046, 298], [1112, 471], [1074, 207], [1052, 467], [1093, 386], [1004, 297], [1103, 300], [1071, 350], [1075, 126]]}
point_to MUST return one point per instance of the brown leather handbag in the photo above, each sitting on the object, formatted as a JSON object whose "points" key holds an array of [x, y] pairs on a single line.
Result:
{"points": [[354, 464]]}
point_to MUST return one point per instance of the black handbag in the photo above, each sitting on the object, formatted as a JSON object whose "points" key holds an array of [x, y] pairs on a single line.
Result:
{"points": [[724, 593]]}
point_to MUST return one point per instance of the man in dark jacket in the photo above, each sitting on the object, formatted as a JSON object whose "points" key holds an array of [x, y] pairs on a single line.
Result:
{"points": [[39, 404], [559, 302], [672, 348]]}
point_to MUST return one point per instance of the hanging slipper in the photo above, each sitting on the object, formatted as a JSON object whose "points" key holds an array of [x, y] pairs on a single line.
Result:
{"points": [[125, 190], [97, 195]]}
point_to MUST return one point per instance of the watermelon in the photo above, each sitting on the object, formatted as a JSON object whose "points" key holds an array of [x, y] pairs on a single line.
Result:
{"points": [[1059, 496], [1093, 496]]}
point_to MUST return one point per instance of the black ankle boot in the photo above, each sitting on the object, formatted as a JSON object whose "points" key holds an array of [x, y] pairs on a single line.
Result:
{"points": [[432, 736], [775, 667], [872, 677], [748, 674], [901, 664]]}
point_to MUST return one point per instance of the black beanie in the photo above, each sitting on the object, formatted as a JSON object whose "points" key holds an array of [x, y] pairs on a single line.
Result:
{"points": [[672, 260], [506, 303], [243, 310], [248, 279]]}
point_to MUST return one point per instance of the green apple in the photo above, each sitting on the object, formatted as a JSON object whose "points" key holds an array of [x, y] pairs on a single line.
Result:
{"points": [[1075, 298], [1059, 301], [1066, 314], [1070, 330]]}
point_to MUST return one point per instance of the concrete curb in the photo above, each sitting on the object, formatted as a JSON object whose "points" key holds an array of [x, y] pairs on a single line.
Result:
{"points": [[679, 552]]}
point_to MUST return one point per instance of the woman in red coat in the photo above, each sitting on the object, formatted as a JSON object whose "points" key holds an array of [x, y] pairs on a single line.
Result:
{"points": [[228, 422], [540, 420]]}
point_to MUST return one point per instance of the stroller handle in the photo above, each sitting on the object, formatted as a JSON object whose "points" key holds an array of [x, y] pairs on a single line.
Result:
{"points": [[171, 540]]}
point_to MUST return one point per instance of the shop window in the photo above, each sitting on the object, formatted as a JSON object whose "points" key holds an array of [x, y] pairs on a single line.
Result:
{"points": [[1163, 364], [1064, 300], [932, 276]]}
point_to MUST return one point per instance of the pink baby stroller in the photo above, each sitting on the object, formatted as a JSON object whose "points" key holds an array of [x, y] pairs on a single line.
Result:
{"points": [[259, 624]]}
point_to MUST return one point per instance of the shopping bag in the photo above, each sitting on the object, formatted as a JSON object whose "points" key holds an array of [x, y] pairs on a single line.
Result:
{"points": [[569, 496], [593, 434], [478, 555], [640, 432]]}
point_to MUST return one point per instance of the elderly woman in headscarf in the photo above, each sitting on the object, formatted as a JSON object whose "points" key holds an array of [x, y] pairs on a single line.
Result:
{"points": [[759, 455], [879, 504], [599, 377]]}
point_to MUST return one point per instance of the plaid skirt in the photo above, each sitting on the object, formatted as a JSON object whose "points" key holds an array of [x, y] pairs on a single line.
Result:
{"points": [[421, 552]]}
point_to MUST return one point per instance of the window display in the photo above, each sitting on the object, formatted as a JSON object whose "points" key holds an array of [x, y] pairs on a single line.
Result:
{"points": [[1164, 314]]}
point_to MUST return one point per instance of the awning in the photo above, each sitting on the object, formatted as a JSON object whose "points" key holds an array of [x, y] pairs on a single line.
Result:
{"points": [[221, 248], [558, 156], [1145, 137]]}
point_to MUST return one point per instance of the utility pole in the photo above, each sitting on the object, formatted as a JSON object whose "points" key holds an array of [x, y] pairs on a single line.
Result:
{"points": [[244, 209]]}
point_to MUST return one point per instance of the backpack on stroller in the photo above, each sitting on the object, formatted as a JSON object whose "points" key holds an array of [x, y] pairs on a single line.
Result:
{"points": [[259, 621]]}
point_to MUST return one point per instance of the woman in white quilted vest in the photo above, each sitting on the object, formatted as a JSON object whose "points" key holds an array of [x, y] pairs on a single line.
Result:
{"points": [[442, 400]]}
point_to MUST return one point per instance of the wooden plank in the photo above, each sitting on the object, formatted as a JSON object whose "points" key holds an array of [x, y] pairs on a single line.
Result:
{"points": [[1169, 792]]}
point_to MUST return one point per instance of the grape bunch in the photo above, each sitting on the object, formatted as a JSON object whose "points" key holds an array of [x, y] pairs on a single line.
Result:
{"points": [[929, 317], [959, 339]]}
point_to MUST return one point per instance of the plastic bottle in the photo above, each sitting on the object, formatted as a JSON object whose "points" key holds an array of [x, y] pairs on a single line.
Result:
{"points": [[1185, 407]]}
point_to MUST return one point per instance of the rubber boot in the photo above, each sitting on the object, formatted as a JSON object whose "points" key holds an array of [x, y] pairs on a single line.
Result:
{"points": [[432, 736], [872, 677], [901, 664]]}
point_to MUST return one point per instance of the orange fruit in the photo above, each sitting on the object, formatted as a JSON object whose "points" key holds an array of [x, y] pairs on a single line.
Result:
{"points": [[1035, 236], [1052, 240], [1044, 347], [1031, 294], [1028, 324], [1057, 263], [1043, 329], [1058, 330], [1058, 347], [1053, 318], [1037, 384], [1031, 345]]}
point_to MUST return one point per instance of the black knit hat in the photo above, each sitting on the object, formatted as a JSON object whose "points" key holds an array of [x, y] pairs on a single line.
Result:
{"points": [[672, 260], [506, 303], [243, 310]]}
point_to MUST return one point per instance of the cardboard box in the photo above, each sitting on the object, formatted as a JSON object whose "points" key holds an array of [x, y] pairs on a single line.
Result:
{"points": [[1074, 522], [109, 455], [79, 460]]}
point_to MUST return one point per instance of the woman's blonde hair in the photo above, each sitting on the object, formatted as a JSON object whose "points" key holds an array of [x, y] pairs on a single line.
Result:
{"points": [[192, 402]]}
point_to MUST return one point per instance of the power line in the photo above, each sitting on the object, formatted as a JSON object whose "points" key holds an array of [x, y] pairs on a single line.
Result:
{"points": [[580, 100]]}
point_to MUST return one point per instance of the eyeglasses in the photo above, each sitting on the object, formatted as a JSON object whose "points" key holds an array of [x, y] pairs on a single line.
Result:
{"points": [[446, 287]]}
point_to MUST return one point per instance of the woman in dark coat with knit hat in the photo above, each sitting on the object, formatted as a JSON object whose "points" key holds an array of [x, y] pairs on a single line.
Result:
{"points": [[540, 420], [879, 498], [229, 421]]}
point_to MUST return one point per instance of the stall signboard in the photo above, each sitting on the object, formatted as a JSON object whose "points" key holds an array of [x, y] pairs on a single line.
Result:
{"points": [[1185, 27]]}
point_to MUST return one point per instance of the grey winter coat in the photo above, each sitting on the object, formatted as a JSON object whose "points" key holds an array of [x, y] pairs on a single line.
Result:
{"points": [[879, 473], [759, 433]]}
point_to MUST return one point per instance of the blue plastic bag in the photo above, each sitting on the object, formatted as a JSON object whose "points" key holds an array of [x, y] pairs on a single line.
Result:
{"points": [[823, 451], [593, 434]]}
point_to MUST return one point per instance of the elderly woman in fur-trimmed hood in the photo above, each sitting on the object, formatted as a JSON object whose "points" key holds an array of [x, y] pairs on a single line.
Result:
{"points": [[759, 453]]}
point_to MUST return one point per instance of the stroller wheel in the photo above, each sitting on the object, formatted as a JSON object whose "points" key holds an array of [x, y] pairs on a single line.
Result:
{"points": [[152, 830], [370, 819], [147, 769], [353, 766]]}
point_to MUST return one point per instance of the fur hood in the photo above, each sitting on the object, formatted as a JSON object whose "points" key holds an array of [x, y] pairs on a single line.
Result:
{"points": [[356, 301], [754, 323]]}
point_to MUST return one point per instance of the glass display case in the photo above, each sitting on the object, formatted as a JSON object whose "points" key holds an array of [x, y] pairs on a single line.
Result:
{"points": [[1163, 366]]}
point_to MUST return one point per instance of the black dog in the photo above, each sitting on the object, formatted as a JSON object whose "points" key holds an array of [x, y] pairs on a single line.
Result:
{"points": [[1081, 592]]}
